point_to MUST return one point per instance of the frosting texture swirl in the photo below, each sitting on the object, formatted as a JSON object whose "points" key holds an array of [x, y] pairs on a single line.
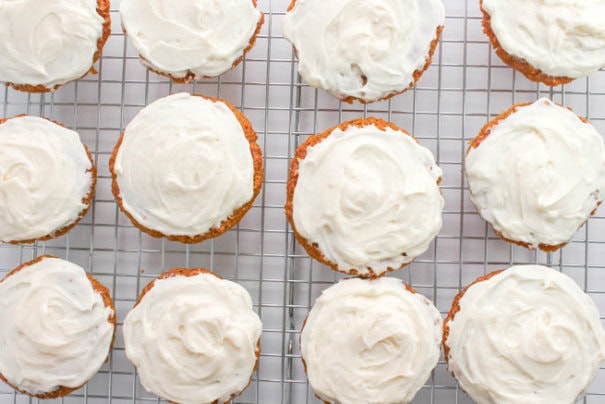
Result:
{"points": [[559, 37], [538, 175], [47, 42], [184, 165], [56, 330], [45, 175], [527, 334], [202, 37], [368, 198], [370, 341], [194, 339], [366, 50]]}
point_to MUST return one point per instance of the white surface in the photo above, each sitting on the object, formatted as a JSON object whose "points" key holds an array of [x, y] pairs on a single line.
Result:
{"points": [[461, 91]]}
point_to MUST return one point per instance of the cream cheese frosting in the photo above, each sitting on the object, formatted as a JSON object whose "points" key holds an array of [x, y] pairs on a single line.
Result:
{"points": [[368, 197], [56, 330], [48, 43], [538, 175], [184, 165], [202, 37], [45, 174], [526, 335], [193, 339], [370, 341], [559, 37], [361, 49]]}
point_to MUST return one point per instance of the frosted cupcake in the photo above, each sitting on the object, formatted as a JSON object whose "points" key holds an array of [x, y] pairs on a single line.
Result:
{"points": [[46, 44], [363, 197]]}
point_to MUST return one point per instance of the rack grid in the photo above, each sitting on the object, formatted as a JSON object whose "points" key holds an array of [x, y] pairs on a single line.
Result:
{"points": [[465, 87]]}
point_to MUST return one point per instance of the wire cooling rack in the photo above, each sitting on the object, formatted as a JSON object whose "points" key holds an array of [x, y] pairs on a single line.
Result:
{"points": [[465, 87]]}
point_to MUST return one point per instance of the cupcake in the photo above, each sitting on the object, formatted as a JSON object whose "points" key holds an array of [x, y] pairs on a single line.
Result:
{"points": [[363, 197], [47, 179], [194, 39], [187, 168], [193, 337], [46, 44], [370, 341], [363, 50], [536, 173], [553, 42], [58, 326], [524, 335]]}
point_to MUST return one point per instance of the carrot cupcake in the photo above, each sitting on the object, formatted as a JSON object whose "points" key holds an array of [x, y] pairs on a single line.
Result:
{"points": [[47, 179], [187, 168], [363, 197], [360, 50], [46, 44], [370, 341], [528, 334], [206, 326], [58, 326], [194, 39], [536, 173], [553, 42]]}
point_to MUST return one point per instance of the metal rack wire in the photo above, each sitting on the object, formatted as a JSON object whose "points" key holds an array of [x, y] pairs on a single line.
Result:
{"points": [[466, 85]]}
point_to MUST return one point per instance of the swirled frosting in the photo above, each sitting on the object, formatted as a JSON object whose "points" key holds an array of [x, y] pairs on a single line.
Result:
{"points": [[204, 37], [526, 335], [55, 327], [184, 165], [370, 341], [45, 173], [538, 175], [47, 42], [369, 198], [559, 37], [356, 48], [193, 339]]}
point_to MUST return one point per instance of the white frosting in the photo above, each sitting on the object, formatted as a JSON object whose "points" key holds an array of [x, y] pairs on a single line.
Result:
{"points": [[368, 196], [559, 37], [526, 335], [47, 42], [193, 339], [538, 175], [370, 342], [363, 49], [204, 37], [55, 327], [184, 165], [44, 176]]}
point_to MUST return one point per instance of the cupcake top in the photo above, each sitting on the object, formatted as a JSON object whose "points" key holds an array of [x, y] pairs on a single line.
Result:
{"points": [[536, 173], [370, 341], [48, 43], [363, 50], [46, 179], [207, 328], [185, 164], [199, 38], [564, 38], [57, 327], [363, 197], [526, 334]]}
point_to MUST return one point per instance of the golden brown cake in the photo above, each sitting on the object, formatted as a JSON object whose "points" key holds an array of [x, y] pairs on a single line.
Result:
{"points": [[526, 334], [200, 38], [47, 179], [46, 44], [208, 327], [536, 173], [58, 327], [363, 197], [187, 168], [360, 50]]}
